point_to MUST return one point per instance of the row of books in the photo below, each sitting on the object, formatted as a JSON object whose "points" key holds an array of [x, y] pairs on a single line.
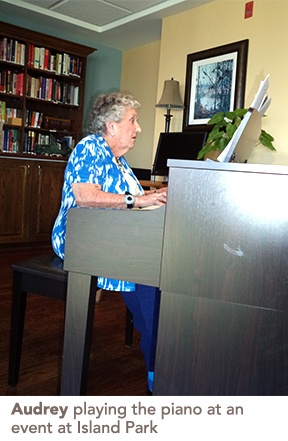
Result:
{"points": [[9, 140], [59, 63], [39, 87], [12, 50], [33, 139], [11, 82], [33, 119], [46, 140], [30, 139], [52, 90], [8, 112]]}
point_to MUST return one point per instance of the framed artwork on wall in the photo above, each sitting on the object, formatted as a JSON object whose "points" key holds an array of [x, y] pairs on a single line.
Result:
{"points": [[215, 81]]}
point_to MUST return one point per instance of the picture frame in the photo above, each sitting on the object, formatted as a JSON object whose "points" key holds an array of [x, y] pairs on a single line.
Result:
{"points": [[215, 81]]}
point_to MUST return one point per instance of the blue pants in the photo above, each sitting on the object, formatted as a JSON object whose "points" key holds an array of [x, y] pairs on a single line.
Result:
{"points": [[144, 305]]}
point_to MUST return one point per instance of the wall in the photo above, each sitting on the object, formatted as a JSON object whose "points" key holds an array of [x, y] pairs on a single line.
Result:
{"points": [[103, 74], [140, 77], [145, 69], [222, 22]]}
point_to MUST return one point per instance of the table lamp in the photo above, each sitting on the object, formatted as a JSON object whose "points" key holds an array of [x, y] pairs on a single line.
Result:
{"points": [[170, 100]]}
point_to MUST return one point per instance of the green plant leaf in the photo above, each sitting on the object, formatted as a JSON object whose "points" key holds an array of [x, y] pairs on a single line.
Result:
{"points": [[223, 143], [217, 118], [230, 115], [266, 135], [225, 125], [240, 112], [237, 121], [230, 130], [266, 140], [207, 148]]}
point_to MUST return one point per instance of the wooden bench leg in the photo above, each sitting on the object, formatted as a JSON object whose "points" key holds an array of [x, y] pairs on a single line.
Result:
{"points": [[19, 299], [79, 316], [89, 335]]}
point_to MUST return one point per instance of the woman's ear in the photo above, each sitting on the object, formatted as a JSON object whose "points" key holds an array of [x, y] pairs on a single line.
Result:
{"points": [[110, 128]]}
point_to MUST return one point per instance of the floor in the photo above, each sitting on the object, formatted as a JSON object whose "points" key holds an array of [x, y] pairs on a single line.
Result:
{"points": [[114, 369]]}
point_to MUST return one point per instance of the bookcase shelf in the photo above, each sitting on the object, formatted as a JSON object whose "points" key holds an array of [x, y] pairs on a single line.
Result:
{"points": [[41, 75], [31, 170]]}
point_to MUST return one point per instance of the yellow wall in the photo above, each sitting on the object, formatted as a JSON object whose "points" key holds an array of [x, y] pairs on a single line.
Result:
{"points": [[140, 77], [214, 24]]}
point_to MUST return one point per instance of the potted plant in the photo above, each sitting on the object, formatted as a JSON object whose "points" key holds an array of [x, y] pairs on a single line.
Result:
{"points": [[225, 124]]}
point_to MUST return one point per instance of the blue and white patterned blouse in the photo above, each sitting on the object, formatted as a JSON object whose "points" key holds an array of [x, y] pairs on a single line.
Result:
{"points": [[92, 161]]}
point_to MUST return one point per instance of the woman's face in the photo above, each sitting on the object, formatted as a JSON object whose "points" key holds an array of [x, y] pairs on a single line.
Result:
{"points": [[126, 131]]}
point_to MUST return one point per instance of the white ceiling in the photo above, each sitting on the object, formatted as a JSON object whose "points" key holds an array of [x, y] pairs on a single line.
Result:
{"points": [[122, 24]]}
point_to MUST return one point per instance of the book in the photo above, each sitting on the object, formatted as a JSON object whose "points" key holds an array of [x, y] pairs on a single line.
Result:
{"points": [[40, 120], [65, 64], [9, 82], [33, 83], [3, 111], [69, 141], [31, 49], [58, 63], [43, 88], [14, 83], [41, 57], [76, 96], [1, 136], [49, 89], [14, 121], [46, 59], [14, 140], [22, 57], [3, 80], [3, 54], [20, 84], [36, 62], [18, 53], [13, 50], [52, 66], [32, 122], [8, 50]]}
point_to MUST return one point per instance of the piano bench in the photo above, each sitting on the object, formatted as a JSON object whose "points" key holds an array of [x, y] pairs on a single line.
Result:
{"points": [[43, 275]]}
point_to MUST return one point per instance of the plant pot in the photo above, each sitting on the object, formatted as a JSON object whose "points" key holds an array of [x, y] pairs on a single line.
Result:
{"points": [[212, 155]]}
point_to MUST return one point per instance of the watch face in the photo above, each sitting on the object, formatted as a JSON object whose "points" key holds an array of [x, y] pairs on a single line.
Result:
{"points": [[129, 200]]}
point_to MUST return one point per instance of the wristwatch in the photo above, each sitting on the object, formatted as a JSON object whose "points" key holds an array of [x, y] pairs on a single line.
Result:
{"points": [[129, 199]]}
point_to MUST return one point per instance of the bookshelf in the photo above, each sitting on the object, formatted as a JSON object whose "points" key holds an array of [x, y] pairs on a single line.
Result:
{"points": [[42, 85]]}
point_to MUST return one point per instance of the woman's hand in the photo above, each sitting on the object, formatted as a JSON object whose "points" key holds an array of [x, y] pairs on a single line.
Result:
{"points": [[91, 195], [156, 197]]}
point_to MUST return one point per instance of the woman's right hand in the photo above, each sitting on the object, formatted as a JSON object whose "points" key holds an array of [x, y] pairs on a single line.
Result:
{"points": [[157, 197]]}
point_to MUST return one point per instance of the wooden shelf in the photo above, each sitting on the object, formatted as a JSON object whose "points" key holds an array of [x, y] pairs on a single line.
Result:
{"points": [[32, 184], [53, 86]]}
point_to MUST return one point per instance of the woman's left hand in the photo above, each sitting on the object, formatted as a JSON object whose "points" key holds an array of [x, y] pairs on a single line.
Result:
{"points": [[156, 197]]}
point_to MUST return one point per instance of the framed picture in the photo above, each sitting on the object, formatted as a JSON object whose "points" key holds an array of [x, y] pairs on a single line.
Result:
{"points": [[215, 82]]}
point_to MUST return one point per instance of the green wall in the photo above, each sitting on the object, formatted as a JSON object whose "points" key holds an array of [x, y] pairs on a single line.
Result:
{"points": [[103, 66]]}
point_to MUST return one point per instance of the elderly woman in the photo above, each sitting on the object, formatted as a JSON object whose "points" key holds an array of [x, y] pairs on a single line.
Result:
{"points": [[98, 175]]}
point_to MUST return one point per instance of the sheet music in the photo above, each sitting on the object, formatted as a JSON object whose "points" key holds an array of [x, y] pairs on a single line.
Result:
{"points": [[265, 106], [261, 100], [243, 139]]}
